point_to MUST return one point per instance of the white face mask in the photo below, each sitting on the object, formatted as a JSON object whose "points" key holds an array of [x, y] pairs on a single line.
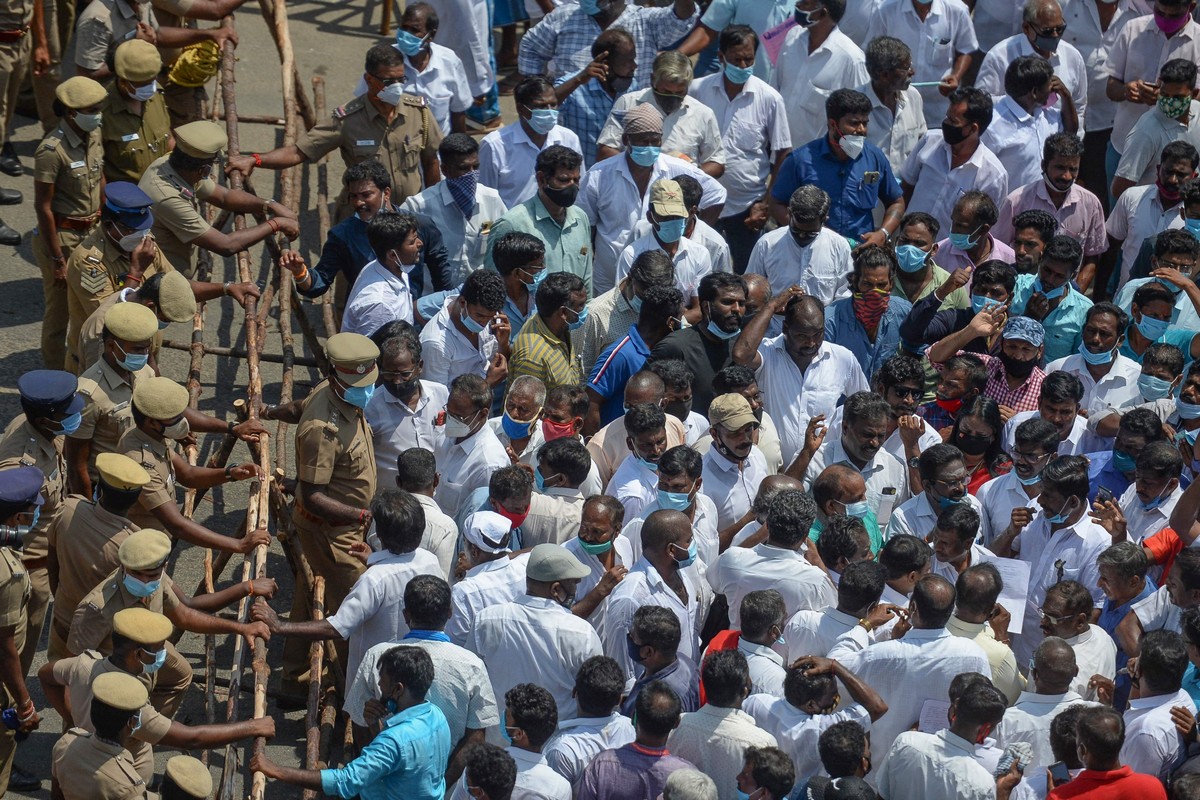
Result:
{"points": [[852, 145], [144, 93], [390, 94], [130, 242], [178, 431]]}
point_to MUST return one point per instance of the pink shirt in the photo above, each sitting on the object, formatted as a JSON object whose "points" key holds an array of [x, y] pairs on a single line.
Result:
{"points": [[1081, 215], [950, 258]]}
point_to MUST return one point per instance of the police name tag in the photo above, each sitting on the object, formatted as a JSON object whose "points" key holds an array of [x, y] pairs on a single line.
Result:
{"points": [[78, 164], [129, 137], [365, 143]]}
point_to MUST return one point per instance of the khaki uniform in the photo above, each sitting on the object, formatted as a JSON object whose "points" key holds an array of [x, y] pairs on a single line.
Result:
{"points": [[102, 23], [21, 445], [73, 166], [84, 541], [90, 345], [106, 412], [155, 458], [92, 626], [78, 673], [16, 44], [132, 139], [177, 218], [185, 103], [361, 133], [334, 450], [85, 768], [15, 590], [95, 271]]}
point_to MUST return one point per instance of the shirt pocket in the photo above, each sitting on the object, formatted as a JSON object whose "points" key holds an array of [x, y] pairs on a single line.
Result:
{"points": [[745, 137]]}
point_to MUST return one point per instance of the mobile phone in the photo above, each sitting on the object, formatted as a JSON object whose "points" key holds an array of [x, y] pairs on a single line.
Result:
{"points": [[1104, 495], [1060, 773]]}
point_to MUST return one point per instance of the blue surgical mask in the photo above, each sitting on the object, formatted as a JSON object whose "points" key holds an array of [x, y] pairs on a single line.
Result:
{"points": [[1193, 227], [1038, 288], [538, 480], [1122, 461], [1187, 410], [144, 93], [859, 509], [507, 736], [947, 502], [132, 362], [636, 304], [137, 722], [1153, 388], [580, 318], [692, 553], [646, 465], [1095, 359], [634, 651], [514, 429], [674, 501], [543, 120], [359, 396], [392, 706], [1030, 481], [1153, 329], [538, 277], [738, 75], [160, 658], [138, 588], [963, 241], [980, 302], [911, 258], [1061, 517], [408, 44], [720, 334], [1156, 502], [645, 156], [1187, 436], [470, 324], [670, 230], [70, 424]]}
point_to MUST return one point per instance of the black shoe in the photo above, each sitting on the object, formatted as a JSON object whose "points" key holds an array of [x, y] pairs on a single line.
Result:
{"points": [[8, 235], [11, 197], [22, 781], [9, 163]]}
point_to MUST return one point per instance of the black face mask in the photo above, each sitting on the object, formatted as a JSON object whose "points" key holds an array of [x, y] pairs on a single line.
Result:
{"points": [[620, 84], [563, 198], [803, 239], [972, 445], [403, 390], [1018, 367], [679, 410], [669, 103], [758, 414], [952, 134]]}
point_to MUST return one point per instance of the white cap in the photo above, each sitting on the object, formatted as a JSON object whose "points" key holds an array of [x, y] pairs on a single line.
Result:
{"points": [[488, 531]]}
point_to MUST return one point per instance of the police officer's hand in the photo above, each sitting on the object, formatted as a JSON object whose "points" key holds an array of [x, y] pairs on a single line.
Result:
{"points": [[497, 371], [288, 227], [142, 256], [241, 292], [256, 630], [223, 34], [242, 164], [263, 726], [361, 550], [249, 430], [243, 472], [260, 763], [254, 539], [261, 612], [40, 60], [146, 33], [264, 587]]}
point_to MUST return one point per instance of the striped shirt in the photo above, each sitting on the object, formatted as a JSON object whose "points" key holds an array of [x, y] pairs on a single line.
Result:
{"points": [[613, 370], [537, 351]]}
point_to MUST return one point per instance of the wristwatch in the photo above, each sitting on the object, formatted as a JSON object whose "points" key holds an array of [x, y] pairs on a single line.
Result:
{"points": [[914, 462], [228, 474]]}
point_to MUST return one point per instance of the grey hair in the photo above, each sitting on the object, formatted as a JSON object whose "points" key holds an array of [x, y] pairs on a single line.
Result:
{"points": [[886, 53], [672, 66], [530, 384], [809, 202], [1127, 558], [689, 784], [1032, 7]]}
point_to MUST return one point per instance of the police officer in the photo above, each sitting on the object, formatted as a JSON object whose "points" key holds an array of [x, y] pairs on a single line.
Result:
{"points": [[141, 582], [385, 124], [68, 180], [85, 538], [185, 778], [20, 503], [159, 422], [335, 472], [21, 30], [168, 294], [176, 183], [51, 410], [136, 127], [90, 765]]}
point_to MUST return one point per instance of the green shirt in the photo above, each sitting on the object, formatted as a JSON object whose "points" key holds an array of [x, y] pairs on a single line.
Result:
{"points": [[568, 247], [869, 521]]}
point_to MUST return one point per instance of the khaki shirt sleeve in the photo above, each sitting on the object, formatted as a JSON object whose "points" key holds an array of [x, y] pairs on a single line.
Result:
{"points": [[316, 453], [179, 8], [180, 218], [13, 587], [91, 42], [63, 670], [171, 601], [46, 164], [91, 411], [207, 186], [154, 726], [435, 134], [88, 629], [320, 140]]}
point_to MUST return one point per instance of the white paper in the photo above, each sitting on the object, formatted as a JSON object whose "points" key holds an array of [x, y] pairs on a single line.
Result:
{"points": [[1015, 574], [934, 716]]}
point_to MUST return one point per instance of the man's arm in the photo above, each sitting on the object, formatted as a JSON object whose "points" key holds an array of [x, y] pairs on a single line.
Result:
{"points": [[203, 737], [76, 453], [457, 762], [195, 621], [13, 678], [279, 158], [312, 630], [191, 532], [984, 324], [315, 500], [745, 347], [1129, 634]]}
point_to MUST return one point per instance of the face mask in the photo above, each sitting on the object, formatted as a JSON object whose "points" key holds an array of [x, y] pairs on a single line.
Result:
{"points": [[69, 425], [804, 18], [645, 156], [462, 189], [634, 651], [144, 93], [88, 122], [1156, 502], [392, 707], [1153, 329], [911, 258], [972, 445], [1030, 481], [391, 94], [1047, 43], [649, 466], [567, 602], [507, 736], [160, 658], [636, 304], [552, 430], [138, 588], [949, 406], [852, 145], [980, 302], [540, 481], [690, 558], [674, 501], [953, 134], [1187, 436], [359, 396], [538, 277], [1060, 518], [946, 502], [670, 230], [1153, 388], [563, 198], [129, 242], [738, 75], [859, 509], [620, 84], [514, 520], [1122, 461], [593, 7], [1095, 359], [25, 530], [1018, 367], [720, 334], [515, 429], [1174, 107], [455, 428], [543, 120], [1171, 195], [580, 318], [963, 241], [1187, 410], [132, 362], [669, 103], [470, 324], [596, 549], [403, 391], [408, 44], [803, 239], [137, 723], [1170, 25], [1038, 288], [869, 307], [1055, 187]]}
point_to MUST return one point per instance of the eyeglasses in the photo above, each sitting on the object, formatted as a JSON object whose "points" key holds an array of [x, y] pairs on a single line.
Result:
{"points": [[386, 81], [1028, 458], [1176, 265], [1053, 620], [398, 377], [904, 391], [1056, 32], [953, 483]]}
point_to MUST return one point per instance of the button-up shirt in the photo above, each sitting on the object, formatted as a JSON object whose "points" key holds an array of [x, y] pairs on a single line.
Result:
{"points": [[1005, 675], [732, 485], [896, 134], [1068, 64], [554, 516], [1029, 721], [1142, 523], [766, 668], [465, 466], [466, 239], [690, 132], [715, 740], [811, 632], [740, 570], [934, 766], [1024, 398], [610, 317], [584, 111], [378, 297], [883, 471], [395, 427], [1095, 654], [691, 262], [798, 732], [624, 557], [999, 497], [507, 158], [842, 327], [918, 518], [1080, 216], [485, 585], [1077, 443], [1150, 134], [608, 447], [535, 779], [538, 351], [1152, 745], [754, 128], [579, 740], [1138, 53], [634, 486], [893, 444], [805, 80], [568, 246], [443, 83], [760, 15], [1139, 213], [1064, 323], [936, 184], [1016, 137], [1083, 31], [821, 269], [629, 771], [405, 760]]}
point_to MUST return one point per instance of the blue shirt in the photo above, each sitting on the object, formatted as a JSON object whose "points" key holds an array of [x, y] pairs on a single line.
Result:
{"points": [[842, 327], [1180, 338], [406, 761], [1064, 324], [680, 675], [613, 369], [1191, 683], [1101, 472], [585, 111], [855, 187]]}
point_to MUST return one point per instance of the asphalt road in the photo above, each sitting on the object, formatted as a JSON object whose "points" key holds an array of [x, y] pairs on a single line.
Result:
{"points": [[330, 40]]}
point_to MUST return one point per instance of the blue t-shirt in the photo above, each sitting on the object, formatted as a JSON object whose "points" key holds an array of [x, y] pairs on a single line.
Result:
{"points": [[1180, 338], [613, 369]]}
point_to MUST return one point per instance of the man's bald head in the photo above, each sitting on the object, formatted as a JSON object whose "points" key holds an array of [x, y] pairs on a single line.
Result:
{"points": [[644, 387], [758, 292], [1054, 666], [806, 311], [663, 528], [837, 486], [933, 601], [771, 487]]}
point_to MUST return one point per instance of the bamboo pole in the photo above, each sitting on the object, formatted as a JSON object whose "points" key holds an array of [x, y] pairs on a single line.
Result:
{"points": [[239, 352], [323, 220], [311, 719]]}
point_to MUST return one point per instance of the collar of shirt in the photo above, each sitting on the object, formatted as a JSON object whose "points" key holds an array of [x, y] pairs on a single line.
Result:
{"points": [[924, 634], [594, 724], [767, 550], [73, 139], [1035, 699], [489, 566], [564, 491], [762, 651], [935, 11], [469, 444], [110, 375], [409, 713], [655, 578], [536, 326], [402, 407], [524, 758], [967, 630], [540, 603], [388, 557], [437, 60], [1157, 701], [1082, 638], [841, 616], [709, 710], [957, 742]]}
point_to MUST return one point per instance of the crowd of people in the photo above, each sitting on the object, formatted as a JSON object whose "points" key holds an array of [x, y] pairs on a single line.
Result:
{"points": [[797, 400]]}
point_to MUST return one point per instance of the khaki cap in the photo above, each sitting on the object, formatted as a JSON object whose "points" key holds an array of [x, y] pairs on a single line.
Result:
{"points": [[190, 775], [666, 199], [201, 139], [160, 398], [353, 357], [176, 301], [131, 322], [142, 625], [80, 92], [120, 690], [731, 411], [144, 549], [121, 472], [137, 61]]}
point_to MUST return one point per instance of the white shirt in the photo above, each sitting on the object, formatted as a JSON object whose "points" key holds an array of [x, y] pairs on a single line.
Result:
{"points": [[644, 586], [1138, 215], [613, 203], [1073, 445], [907, 672], [822, 269], [934, 766], [466, 239], [754, 127], [484, 585], [883, 471], [937, 186], [691, 261], [1016, 138], [579, 740], [507, 158], [896, 134], [1150, 134], [471, 41], [1152, 745], [554, 517], [995, 20], [767, 443], [689, 132], [1116, 389], [805, 80], [741, 570], [443, 84], [593, 563], [695, 426], [395, 427], [766, 668], [732, 485], [1141, 523], [534, 640], [715, 740], [792, 397], [999, 497], [1068, 64], [703, 234], [466, 466], [813, 633], [1029, 721], [535, 779], [1138, 53], [373, 612], [448, 353], [1095, 654], [441, 534], [945, 33], [893, 444], [797, 732], [1157, 612], [635, 487], [704, 529], [979, 555], [377, 298], [917, 517], [461, 687], [1083, 31]]}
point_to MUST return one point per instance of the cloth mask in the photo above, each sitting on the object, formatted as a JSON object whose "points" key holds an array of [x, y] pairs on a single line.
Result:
{"points": [[1122, 461], [869, 307], [953, 134], [563, 198], [594, 549], [1171, 25], [462, 190], [514, 428], [1174, 107], [552, 430], [130, 241]]}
